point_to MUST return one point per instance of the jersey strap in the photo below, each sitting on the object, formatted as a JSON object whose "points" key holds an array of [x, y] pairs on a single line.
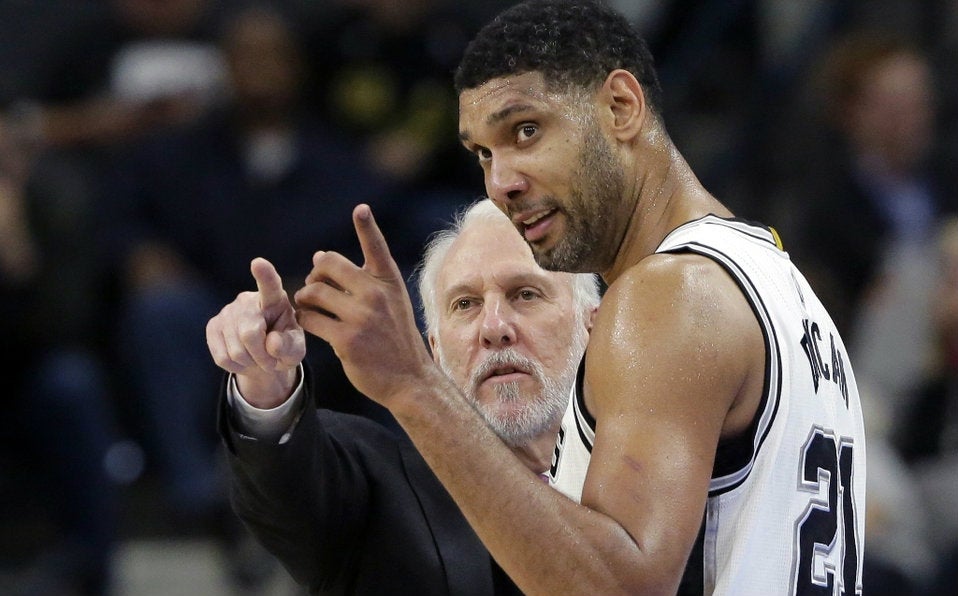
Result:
{"points": [[736, 457]]}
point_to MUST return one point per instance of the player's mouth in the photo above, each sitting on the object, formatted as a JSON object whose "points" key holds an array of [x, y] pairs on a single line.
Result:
{"points": [[536, 225]]}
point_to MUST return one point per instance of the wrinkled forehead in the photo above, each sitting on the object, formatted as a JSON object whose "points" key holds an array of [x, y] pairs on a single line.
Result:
{"points": [[527, 83], [483, 103]]}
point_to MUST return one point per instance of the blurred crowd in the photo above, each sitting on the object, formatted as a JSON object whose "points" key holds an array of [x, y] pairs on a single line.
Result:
{"points": [[149, 149]]}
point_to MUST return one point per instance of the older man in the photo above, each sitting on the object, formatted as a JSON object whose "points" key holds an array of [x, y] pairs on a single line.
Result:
{"points": [[350, 506]]}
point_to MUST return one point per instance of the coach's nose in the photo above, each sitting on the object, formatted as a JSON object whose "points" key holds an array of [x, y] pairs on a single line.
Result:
{"points": [[497, 328]]}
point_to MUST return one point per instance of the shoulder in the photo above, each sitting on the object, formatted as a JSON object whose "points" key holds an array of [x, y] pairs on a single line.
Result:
{"points": [[671, 316], [671, 282]]}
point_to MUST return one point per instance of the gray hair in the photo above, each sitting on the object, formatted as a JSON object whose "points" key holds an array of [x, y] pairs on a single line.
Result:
{"points": [[585, 286]]}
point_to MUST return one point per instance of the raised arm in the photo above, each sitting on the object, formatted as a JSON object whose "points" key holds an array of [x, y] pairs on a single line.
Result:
{"points": [[256, 337]]}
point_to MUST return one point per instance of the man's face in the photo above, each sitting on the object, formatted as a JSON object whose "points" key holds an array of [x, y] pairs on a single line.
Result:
{"points": [[547, 166], [263, 63], [508, 333], [893, 115]]}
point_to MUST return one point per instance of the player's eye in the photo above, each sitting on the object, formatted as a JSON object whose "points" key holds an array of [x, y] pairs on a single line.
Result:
{"points": [[526, 131]]}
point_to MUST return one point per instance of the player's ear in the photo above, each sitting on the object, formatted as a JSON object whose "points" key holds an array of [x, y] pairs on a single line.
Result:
{"points": [[625, 99], [432, 348]]}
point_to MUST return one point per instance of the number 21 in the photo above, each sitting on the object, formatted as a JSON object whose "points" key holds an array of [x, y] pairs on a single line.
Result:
{"points": [[827, 460]]}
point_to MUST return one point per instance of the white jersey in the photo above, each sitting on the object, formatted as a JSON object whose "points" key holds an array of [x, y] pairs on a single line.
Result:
{"points": [[786, 505]]}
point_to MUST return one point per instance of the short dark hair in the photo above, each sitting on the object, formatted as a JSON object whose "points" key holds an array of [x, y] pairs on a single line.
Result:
{"points": [[571, 42]]}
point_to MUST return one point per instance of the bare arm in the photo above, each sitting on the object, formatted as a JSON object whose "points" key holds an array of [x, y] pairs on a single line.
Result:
{"points": [[674, 354], [659, 419]]}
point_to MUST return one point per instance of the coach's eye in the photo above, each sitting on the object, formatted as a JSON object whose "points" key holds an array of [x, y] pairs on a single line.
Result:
{"points": [[528, 295], [463, 304]]}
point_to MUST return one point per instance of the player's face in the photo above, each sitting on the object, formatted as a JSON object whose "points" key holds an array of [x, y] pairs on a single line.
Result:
{"points": [[508, 334], [548, 166]]}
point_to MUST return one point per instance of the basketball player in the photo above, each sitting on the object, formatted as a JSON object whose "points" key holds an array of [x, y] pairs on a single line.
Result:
{"points": [[347, 505], [716, 431]]}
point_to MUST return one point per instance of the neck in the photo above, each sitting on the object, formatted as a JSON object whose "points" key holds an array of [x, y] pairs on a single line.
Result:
{"points": [[665, 194]]}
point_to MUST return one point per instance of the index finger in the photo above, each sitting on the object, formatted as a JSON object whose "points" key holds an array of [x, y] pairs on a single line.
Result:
{"points": [[268, 283], [378, 261]]}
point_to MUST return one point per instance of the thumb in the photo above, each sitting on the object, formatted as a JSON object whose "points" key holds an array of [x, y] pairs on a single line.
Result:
{"points": [[268, 284], [378, 261], [287, 347]]}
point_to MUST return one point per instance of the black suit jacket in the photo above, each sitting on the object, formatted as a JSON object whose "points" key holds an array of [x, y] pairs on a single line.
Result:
{"points": [[350, 507]]}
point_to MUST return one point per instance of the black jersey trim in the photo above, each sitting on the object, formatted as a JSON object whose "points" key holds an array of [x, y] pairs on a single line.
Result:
{"points": [[583, 419], [693, 577]]}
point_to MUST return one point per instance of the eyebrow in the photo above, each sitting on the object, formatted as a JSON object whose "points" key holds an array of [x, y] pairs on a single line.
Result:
{"points": [[497, 117]]}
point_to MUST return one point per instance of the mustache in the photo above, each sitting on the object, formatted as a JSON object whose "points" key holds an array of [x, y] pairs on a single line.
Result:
{"points": [[503, 359]]}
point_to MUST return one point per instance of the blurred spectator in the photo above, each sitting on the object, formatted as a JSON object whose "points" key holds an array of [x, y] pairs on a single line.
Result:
{"points": [[257, 176], [869, 210], [726, 68], [104, 74], [382, 73], [112, 71], [58, 426], [900, 559], [928, 436], [85, 78], [867, 195]]}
